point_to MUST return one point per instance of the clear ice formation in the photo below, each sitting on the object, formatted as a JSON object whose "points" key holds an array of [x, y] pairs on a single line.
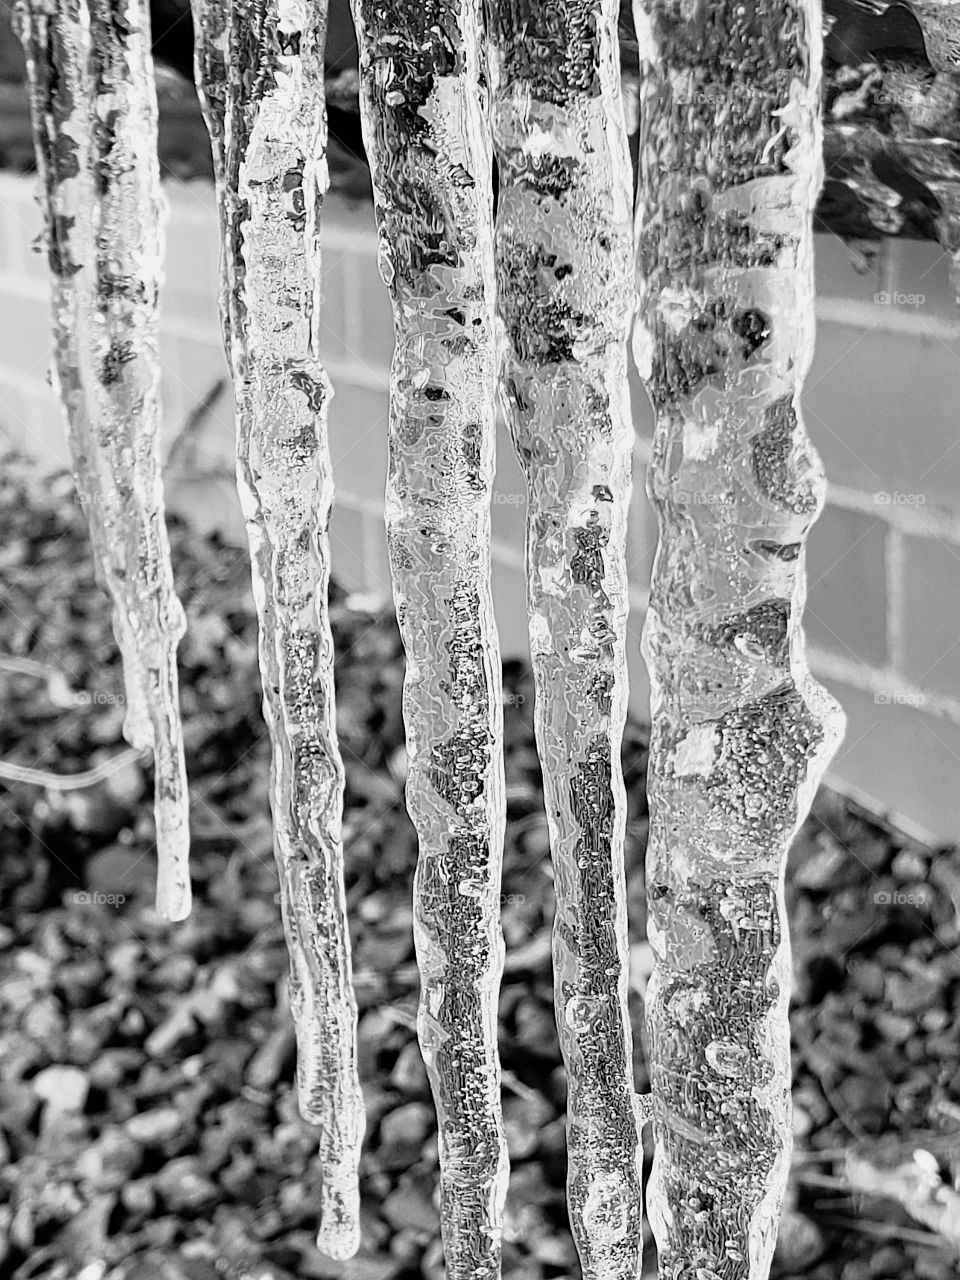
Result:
{"points": [[93, 105], [730, 167], [260, 77], [423, 104], [564, 259]]}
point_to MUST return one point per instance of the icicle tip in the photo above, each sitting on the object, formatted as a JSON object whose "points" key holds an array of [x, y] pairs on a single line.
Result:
{"points": [[174, 894], [339, 1234]]}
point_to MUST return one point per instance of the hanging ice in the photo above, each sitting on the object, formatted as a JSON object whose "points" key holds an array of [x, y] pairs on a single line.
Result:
{"points": [[730, 169], [260, 75], [94, 115], [425, 131], [564, 254]]}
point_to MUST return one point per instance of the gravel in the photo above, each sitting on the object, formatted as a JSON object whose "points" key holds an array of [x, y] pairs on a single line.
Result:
{"points": [[148, 1124]]}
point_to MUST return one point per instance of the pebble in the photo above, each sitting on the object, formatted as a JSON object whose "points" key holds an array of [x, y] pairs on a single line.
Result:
{"points": [[274, 1059], [914, 994], [405, 1129], [111, 1161], [802, 1121], [172, 1035], [409, 1074], [183, 1188], [112, 1065], [823, 865], [800, 1242], [909, 864], [62, 1088], [895, 1026], [120, 869], [523, 1121], [408, 1208], [868, 977], [887, 1262], [151, 1128], [139, 1196]]}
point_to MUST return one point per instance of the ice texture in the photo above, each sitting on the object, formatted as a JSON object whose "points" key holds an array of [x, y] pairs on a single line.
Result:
{"points": [[424, 103], [260, 74], [94, 112], [730, 168], [564, 260]]}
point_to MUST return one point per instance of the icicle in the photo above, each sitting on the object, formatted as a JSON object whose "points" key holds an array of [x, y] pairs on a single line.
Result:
{"points": [[730, 170], [423, 111], [260, 72], [93, 104], [565, 281]]}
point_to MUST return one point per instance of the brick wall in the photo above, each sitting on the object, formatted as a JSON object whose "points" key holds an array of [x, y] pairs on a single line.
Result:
{"points": [[883, 612]]}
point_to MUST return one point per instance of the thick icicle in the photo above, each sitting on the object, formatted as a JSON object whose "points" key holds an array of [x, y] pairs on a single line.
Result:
{"points": [[260, 75], [564, 252], [425, 131], [95, 125], [730, 169]]}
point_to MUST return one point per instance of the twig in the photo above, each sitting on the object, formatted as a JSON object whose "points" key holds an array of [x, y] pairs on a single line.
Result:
{"points": [[58, 687], [916, 1185], [884, 1231], [68, 781], [184, 444]]}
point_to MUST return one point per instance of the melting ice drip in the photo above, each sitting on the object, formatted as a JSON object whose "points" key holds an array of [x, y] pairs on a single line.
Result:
{"points": [[423, 112], [260, 73], [564, 254], [94, 116], [730, 168]]}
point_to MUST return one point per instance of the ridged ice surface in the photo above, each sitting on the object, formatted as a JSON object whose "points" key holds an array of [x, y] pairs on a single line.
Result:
{"points": [[94, 114], [730, 169], [423, 104], [260, 73], [564, 254]]}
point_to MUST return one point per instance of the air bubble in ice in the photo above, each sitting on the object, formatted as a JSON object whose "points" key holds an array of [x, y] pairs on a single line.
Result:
{"points": [[726, 1057]]}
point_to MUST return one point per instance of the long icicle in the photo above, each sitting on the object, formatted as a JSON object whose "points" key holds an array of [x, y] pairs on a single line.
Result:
{"points": [[730, 168], [423, 112], [564, 253], [260, 74], [93, 103]]}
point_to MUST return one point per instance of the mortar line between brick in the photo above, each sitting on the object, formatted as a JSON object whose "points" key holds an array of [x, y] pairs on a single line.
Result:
{"points": [[889, 265], [893, 551], [911, 516], [889, 687], [24, 286], [885, 318]]}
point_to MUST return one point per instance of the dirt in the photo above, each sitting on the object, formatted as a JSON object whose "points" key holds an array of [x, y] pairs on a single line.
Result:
{"points": [[148, 1126]]}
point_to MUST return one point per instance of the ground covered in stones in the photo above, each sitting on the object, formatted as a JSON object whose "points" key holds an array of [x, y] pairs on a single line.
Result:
{"points": [[148, 1127]]}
